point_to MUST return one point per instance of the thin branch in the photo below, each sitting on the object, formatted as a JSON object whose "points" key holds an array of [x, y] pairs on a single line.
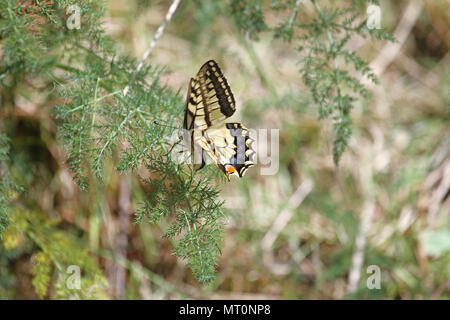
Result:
{"points": [[124, 206], [367, 215], [401, 33], [158, 34], [285, 215], [294, 13], [280, 223]]}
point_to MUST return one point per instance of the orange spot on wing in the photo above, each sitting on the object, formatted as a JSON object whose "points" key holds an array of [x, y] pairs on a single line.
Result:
{"points": [[231, 170]]}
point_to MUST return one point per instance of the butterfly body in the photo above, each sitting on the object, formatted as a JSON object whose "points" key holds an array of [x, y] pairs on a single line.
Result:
{"points": [[209, 103]]}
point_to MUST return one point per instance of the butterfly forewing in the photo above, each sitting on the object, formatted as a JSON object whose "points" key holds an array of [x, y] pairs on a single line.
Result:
{"points": [[191, 106], [210, 100]]}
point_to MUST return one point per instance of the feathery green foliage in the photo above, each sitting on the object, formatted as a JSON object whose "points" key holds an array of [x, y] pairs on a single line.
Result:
{"points": [[98, 122], [198, 214], [327, 67], [8, 189], [56, 252]]}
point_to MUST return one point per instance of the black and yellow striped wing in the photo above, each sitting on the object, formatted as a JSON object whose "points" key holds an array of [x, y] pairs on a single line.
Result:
{"points": [[209, 100]]}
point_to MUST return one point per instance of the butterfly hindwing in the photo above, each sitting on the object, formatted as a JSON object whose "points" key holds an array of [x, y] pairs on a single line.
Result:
{"points": [[231, 145]]}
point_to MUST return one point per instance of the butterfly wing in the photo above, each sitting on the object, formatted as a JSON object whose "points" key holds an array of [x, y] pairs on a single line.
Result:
{"points": [[191, 106], [230, 146], [209, 102]]}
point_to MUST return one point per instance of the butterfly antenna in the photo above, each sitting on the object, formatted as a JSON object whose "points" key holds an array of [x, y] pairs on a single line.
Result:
{"points": [[164, 125], [171, 148]]}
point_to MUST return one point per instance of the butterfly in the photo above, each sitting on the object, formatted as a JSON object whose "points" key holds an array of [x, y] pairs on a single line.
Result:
{"points": [[209, 103]]}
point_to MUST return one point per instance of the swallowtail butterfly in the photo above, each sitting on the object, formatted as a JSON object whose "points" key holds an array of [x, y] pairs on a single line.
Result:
{"points": [[209, 103]]}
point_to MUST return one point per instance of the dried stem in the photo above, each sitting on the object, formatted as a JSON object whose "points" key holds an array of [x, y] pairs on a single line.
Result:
{"points": [[124, 207], [158, 34]]}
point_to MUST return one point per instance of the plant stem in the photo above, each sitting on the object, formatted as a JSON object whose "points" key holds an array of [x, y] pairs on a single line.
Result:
{"points": [[331, 51], [158, 34]]}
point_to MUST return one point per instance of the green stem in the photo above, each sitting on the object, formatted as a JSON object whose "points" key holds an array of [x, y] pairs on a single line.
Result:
{"points": [[39, 243], [331, 42], [294, 13]]}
